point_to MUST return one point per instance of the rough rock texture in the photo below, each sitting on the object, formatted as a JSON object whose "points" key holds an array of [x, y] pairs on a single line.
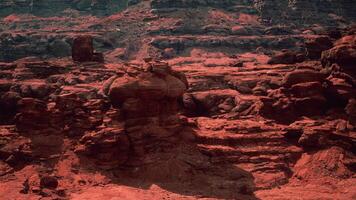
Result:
{"points": [[343, 54], [308, 11], [193, 99], [316, 46], [83, 50], [50, 7], [146, 119], [286, 58]]}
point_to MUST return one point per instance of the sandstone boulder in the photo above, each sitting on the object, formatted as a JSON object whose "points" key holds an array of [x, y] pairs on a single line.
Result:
{"points": [[302, 76], [150, 86], [307, 89], [331, 162]]}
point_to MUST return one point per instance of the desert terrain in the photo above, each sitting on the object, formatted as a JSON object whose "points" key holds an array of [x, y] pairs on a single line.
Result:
{"points": [[177, 99]]}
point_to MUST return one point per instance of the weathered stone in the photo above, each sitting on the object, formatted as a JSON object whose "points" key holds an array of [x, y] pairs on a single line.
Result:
{"points": [[343, 55], [302, 76], [110, 147], [82, 49], [316, 46], [307, 89], [285, 58]]}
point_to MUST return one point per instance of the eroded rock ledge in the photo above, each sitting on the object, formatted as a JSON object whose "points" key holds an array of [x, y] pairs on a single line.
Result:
{"points": [[144, 118]]}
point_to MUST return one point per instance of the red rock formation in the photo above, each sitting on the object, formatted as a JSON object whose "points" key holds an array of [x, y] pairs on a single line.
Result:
{"points": [[82, 49], [343, 54], [232, 110]]}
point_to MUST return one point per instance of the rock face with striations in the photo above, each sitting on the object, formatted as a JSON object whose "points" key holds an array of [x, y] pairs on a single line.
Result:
{"points": [[303, 94], [309, 92], [146, 119], [251, 99]]}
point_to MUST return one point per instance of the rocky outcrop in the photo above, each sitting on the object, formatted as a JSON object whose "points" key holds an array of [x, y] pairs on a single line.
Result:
{"points": [[341, 59], [302, 76], [310, 92], [210, 103], [83, 50], [235, 110], [304, 93], [110, 147], [324, 163], [342, 54], [146, 119], [46, 133]]}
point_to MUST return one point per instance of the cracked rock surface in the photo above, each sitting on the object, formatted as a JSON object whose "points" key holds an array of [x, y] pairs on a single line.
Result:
{"points": [[162, 99]]}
